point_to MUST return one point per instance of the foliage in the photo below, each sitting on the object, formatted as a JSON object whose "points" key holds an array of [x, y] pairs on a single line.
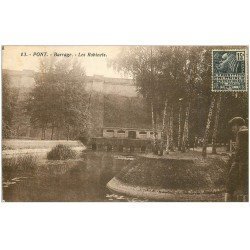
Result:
{"points": [[160, 72], [166, 74], [61, 152], [59, 98], [8, 104]]}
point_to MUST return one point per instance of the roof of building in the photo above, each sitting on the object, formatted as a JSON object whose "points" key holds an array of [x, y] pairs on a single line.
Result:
{"points": [[124, 128], [96, 78], [109, 80]]}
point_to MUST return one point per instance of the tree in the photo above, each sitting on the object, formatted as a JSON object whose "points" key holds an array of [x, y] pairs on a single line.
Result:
{"points": [[206, 134], [179, 124], [141, 63], [195, 68], [8, 103], [59, 99], [157, 74], [164, 75], [216, 123]]}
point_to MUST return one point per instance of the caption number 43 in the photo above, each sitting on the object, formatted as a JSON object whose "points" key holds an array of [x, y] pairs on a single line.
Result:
{"points": [[240, 56]]}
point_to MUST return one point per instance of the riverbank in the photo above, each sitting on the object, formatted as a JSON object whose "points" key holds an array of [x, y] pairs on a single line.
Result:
{"points": [[180, 177], [28, 178], [158, 194], [15, 147]]}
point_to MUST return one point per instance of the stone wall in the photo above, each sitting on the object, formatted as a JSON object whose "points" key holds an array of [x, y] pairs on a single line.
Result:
{"points": [[97, 86]]}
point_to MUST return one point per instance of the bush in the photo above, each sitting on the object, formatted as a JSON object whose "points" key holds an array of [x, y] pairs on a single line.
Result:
{"points": [[84, 137], [61, 152]]}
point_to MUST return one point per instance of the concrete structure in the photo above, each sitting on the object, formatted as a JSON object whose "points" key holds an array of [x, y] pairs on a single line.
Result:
{"points": [[126, 140], [106, 85], [131, 133], [118, 86], [21, 79], [114, 102]]}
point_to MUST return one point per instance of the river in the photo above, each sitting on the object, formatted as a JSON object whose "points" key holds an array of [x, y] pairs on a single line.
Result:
{"points": [[82, 179]]}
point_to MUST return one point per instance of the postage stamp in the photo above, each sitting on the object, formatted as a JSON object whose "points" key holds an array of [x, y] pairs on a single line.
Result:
{"points": [[229, 70]]}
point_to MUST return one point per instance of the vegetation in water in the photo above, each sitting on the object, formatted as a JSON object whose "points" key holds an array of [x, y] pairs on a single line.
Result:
{"points": [[61, 152], [21, 164]]}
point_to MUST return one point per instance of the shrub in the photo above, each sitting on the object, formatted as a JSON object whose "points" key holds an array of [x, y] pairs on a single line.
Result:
{"points": [[61, 152], [84, 138]]}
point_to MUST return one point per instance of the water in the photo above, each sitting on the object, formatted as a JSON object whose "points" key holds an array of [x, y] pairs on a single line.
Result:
{"points": [[83, 179]]}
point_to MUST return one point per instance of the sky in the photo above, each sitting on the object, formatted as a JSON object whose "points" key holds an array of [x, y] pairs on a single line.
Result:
{"points": [[14, 58]]}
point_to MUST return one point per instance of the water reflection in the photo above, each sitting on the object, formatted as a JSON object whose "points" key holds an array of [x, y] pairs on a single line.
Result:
{"points": [[83, 179]]}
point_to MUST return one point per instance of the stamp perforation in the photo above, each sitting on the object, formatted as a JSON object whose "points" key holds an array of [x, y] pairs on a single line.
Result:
{"points": [[245, 66]]}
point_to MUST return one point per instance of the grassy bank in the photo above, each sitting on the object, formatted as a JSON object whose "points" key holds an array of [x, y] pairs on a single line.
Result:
{"points": [[177, 175], [32, 166], [37, 144], [17, 147]]}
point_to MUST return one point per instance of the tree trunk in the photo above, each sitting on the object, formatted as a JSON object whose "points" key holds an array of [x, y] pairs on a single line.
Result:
{"points": [[185, 129], [43, 133], [68, 130], [164, 115], [167, 131], [28, 131], [179, 128], [209, 119], [18, 128], [153, 126], [52, 133], [58, 133], [216, 123], [171, 128], [165, 124]]}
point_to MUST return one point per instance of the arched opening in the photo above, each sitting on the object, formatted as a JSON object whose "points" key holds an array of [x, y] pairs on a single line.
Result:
{"points": [[132, 134], [121, 133]]}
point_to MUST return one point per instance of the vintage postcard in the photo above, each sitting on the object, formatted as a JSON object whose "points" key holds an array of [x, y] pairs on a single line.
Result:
{"points": [[125, 123]]}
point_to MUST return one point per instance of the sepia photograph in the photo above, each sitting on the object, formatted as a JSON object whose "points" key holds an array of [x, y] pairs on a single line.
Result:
{"points": [[125, 123]]}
